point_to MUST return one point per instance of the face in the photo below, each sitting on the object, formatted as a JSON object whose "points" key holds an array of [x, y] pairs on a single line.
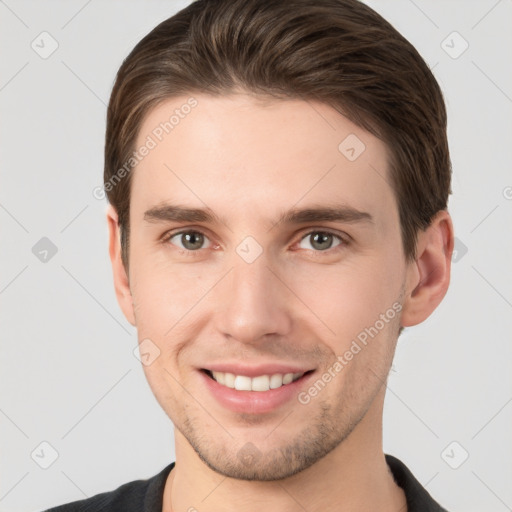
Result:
{"points": [[264, 241]]}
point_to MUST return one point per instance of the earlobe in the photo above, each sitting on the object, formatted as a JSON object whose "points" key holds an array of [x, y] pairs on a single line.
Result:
{"points": [[429, 275], [121, 280]]}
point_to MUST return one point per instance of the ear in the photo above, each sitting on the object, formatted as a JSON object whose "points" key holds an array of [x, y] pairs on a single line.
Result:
{"points": [[428, 276], [121, 281]]}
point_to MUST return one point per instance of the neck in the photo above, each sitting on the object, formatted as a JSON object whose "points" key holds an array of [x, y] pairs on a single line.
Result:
{"points": [[352, 477]]}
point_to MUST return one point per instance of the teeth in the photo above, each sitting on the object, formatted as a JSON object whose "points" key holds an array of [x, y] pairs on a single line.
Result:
{"points": [[259, 383], [287, 378], [276, 381], [242, 383], [221, 377], [229, 380]]}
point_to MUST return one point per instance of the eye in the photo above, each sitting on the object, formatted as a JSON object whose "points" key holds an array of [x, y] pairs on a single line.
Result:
{"points": [[321, 240], [188, 240]]}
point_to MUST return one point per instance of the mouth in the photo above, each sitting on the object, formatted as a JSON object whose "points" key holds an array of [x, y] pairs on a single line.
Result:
{"points": [[259, 383], [257, 388]]}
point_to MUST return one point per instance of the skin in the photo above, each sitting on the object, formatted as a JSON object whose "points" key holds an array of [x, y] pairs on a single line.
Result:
{"points": [[249, 159]]}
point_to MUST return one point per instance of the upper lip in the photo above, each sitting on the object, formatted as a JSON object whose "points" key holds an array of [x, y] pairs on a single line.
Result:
{"points": [[254, 370]]}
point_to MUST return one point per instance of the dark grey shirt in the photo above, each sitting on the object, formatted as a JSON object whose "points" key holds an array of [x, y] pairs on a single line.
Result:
{"points": [[146, 495]]}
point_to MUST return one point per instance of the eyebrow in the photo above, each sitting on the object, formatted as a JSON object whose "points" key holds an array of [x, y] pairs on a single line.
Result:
{"points": [[340, 213]]}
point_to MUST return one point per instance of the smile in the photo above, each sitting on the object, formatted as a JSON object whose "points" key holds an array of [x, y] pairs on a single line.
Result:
{"points": [[257, 383]]}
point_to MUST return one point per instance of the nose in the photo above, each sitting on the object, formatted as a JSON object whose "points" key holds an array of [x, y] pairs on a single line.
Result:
{"points": [[252, 303]]}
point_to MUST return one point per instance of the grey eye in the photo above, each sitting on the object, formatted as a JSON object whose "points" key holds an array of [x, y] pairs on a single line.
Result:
{"points": [[189, 240], [321, 240]]}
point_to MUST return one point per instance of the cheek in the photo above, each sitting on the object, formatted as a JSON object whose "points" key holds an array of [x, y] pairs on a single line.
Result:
{"points": [[348, 297], [164, 294]]}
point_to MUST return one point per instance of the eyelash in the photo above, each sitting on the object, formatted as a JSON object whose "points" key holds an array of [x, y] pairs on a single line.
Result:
{"points": [[344, 241]]}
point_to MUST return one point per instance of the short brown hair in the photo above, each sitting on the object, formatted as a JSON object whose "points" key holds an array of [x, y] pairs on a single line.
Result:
{"points": [[339, 52]]}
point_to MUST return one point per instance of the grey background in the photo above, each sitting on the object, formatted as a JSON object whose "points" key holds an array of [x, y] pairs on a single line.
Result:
{"points": [[68, 375]]}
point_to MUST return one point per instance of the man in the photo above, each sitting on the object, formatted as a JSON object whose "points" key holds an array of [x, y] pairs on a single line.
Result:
{"points": [[278, 176]]}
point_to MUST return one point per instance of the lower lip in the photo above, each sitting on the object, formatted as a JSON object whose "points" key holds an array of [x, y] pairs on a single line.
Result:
{"points": [[254, 402]]}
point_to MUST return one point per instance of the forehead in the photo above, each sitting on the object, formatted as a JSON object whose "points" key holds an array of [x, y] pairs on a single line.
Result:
{"points": [[253, 156]]}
